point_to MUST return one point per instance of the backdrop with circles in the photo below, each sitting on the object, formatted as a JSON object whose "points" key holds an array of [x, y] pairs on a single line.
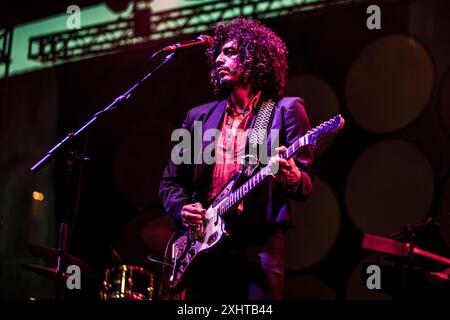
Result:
{"points": [[388, 167]]}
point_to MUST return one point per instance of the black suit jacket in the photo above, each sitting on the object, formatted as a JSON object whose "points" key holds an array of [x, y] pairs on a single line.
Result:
{"points": [[267, 205]]}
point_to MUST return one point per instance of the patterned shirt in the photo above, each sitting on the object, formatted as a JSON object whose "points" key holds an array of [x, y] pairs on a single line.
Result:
{"points": [[230, 146]]}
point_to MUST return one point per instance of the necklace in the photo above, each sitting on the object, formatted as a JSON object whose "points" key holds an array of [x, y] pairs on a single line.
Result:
{"points": [[239, 113]]}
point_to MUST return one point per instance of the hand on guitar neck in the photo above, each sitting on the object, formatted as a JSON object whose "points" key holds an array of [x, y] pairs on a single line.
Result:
{"points": [[192, 215], [285, 170]]}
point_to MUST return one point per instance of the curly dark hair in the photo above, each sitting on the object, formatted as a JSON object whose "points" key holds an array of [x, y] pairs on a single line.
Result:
{"points": [[262, 56]]}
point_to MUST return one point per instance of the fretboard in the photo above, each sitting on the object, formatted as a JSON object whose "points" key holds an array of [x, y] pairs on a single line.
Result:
{"points": [[236, 196]]}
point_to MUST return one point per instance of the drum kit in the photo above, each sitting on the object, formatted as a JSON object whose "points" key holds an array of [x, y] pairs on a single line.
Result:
{"points": [[125, 282], [126, 277], [120, 282]]}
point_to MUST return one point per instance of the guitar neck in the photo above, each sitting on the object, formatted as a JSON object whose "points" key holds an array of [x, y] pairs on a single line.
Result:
{"points": [[236, 196]]}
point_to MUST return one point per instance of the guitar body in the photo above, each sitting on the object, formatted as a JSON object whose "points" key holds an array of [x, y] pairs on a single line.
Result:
{"points": [[184, 249]]}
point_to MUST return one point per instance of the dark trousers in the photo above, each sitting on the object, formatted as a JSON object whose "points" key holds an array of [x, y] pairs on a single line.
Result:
{"points": [[243, 269]]}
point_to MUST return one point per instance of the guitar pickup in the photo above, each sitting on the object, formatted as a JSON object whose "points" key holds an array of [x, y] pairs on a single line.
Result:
{"points": [[212, 238]]}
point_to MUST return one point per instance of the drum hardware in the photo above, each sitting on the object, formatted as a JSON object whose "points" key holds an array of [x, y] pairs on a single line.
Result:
{"points": [[50, 257], [126, 282], [43, 271]]}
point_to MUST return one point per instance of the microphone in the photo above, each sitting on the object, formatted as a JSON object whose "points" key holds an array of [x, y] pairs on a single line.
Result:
{"points": [[203, 40]]}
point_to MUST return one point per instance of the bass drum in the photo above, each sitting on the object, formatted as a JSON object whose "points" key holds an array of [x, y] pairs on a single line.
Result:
{"points": [[125, 282]]}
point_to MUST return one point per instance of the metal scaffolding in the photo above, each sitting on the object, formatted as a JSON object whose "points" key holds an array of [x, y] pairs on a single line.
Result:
{"points": [[122, 33], [5, 47]]}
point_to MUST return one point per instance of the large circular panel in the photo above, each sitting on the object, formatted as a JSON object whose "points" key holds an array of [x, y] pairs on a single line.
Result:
{"points": [[389, 83], [390, 184], [320, 99], [317, 222]]}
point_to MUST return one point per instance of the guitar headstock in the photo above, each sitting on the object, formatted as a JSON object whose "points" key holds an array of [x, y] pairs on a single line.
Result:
{"points": [[317, 134]]}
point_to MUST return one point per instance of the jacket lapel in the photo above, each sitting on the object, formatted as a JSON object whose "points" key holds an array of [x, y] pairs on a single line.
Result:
{"points": [[213, 121], [203, 171]]}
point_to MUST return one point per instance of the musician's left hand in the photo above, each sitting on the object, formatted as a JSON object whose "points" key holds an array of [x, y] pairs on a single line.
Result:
{"points": [[285, 170]]}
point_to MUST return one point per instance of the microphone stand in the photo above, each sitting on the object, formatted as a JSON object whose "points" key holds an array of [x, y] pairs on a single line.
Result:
{"points": [[408, 267], [72, 158]]}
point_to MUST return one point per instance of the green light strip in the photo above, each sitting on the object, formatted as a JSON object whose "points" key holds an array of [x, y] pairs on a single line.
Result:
{"points": [[101, 14]]}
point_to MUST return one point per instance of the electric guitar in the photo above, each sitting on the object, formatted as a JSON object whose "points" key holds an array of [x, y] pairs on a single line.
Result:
{"points": [[184, 249]]}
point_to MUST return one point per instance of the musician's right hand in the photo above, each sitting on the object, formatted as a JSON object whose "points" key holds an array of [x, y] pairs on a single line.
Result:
{"points": [[192, 215]]}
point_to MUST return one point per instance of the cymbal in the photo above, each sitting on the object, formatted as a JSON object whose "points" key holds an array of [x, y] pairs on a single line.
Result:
{"points": [[157, 232], [43, 271], [49, 255]]}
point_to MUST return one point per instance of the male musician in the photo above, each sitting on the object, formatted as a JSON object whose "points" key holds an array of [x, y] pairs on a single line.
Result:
{"points": [[248, 67]]}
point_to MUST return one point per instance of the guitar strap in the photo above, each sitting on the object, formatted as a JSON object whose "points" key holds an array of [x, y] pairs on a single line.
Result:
{"points": [[258, 136]]}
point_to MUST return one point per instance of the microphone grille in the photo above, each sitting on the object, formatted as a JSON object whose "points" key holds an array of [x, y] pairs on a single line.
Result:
{"points": [[207, 40]]}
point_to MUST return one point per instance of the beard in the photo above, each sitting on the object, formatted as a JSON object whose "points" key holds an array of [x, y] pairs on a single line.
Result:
{"points": [[223, 86]]}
